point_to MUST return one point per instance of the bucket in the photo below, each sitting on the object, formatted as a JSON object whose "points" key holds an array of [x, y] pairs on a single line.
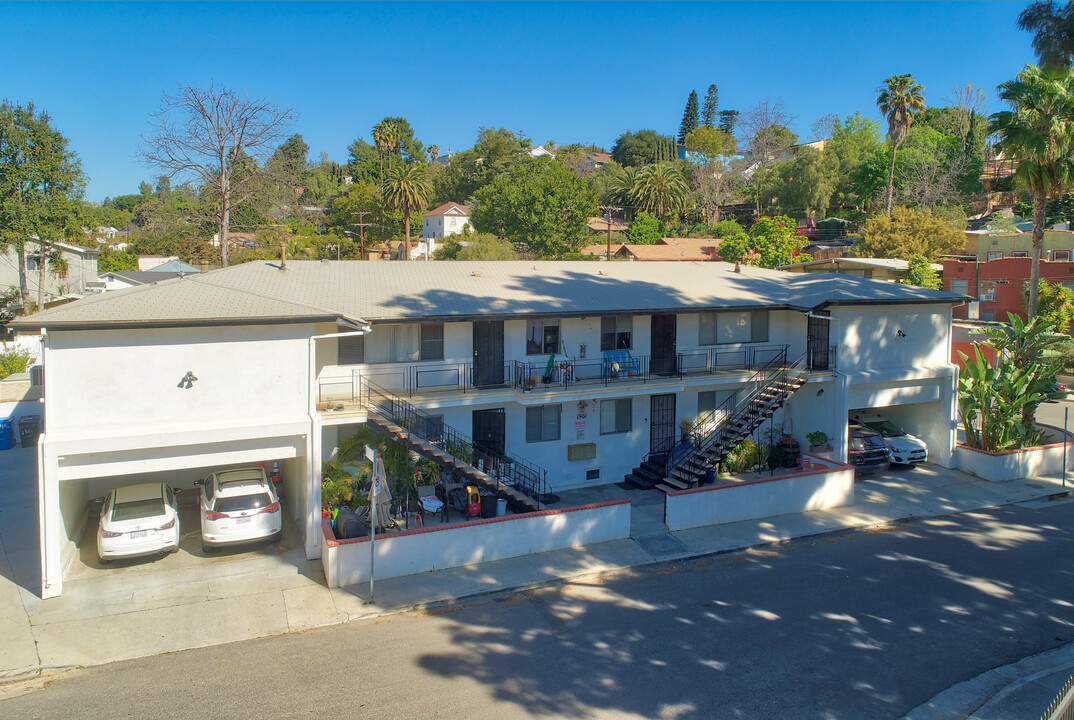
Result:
{"points": [[501, 507]]}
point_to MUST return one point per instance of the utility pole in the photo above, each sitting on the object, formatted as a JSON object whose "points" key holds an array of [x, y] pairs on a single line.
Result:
{"points": [[361, 225], [608, 222]]}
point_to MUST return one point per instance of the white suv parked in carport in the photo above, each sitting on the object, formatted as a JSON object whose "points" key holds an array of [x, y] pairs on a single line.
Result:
{"points": [[238, 506], [905, 448]]}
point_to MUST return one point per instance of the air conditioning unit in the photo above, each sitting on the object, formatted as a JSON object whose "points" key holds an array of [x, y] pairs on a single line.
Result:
{"points": [[988, 297]]}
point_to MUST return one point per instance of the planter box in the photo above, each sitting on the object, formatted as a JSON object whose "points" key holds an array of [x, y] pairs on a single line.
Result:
{"points": [[346, 562], [1016, 464], [830, 484]]}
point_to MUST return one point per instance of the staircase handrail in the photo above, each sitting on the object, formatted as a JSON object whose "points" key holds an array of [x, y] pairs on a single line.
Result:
{"points": [[774, 371], [525, 476]]}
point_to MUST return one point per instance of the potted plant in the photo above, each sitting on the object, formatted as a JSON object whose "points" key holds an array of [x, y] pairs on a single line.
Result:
{"points": [[818, 441]]}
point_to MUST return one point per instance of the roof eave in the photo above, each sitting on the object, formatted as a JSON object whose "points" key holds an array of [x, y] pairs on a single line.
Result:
{"points": [[30, 324]]}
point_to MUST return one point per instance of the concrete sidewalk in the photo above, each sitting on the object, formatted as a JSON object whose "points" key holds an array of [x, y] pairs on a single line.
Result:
{"points": [[103, 617]]}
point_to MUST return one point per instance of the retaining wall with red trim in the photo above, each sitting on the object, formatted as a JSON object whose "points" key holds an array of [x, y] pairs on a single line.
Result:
{"points": [[826, 483], [408, 552], [1016, 464]]}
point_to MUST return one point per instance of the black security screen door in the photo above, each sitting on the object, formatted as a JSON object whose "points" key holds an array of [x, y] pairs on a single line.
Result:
{"points": [[490, 436], [488, 353], [662, 345], [817, 340], [661, 423]]}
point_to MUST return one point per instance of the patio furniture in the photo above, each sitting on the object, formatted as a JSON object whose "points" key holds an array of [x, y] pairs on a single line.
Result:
{"points": [[618, 362]]}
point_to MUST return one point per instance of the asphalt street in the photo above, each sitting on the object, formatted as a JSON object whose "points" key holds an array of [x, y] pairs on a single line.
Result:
{"points": [[859, 625]]}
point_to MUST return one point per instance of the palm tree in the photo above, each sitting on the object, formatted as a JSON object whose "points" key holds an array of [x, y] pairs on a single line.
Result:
{"points": [[1039, 134], [661, 190], [900, 99], [380, 139], [408, 190], [1053, 28], [434, 152]]}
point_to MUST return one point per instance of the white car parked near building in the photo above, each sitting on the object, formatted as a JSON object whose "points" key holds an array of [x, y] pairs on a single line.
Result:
{"points": [[238, 506], [138, 520], [905, 448]]}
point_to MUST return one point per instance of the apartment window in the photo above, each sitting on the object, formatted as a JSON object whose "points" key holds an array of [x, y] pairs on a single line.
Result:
{"points": [[1020, 253], [615, 416], [31, 263], [993, 255], [351, 350], [404, 343], [718, 328], [542, 423], [709, 400], [1061, 255], [432, 341], [542, 336], [962, 287], [616, 332]]}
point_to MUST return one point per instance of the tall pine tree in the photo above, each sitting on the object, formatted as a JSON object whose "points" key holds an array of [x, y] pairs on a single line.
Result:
{"points": [[689, 117], [728, 118], [711, 105]]}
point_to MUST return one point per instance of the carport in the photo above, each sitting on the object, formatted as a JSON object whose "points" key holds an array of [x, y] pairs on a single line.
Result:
{"points": [[74, 471], [922, 407]]}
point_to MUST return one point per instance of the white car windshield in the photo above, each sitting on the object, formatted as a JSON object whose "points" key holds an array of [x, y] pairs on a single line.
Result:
{"points": [[887, 428]]}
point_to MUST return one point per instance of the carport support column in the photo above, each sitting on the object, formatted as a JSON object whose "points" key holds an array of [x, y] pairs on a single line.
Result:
{"points": [[313, 488], [841, 400], [50, 522], [945, 454]]}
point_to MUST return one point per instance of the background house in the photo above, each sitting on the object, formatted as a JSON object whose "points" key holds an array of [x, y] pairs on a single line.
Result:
{"points": [[998, 286], [888, 269], [78, 273], [448, 219]]}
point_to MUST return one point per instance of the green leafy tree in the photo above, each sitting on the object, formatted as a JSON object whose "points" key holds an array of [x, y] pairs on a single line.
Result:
{"points": [[642, 148], [363, 165], [113, 260], [804, 185], [907, 232], [661, 190], [771, 242], [475, 246], [13, 360], [689, 117], [854, 140], [710, 107], [646, 229], [1052, 25], [899, 100], [921, 274], [407, 190], [711, 142], [1038, 132], [538, 204], [1055, 305], [41, 185]]}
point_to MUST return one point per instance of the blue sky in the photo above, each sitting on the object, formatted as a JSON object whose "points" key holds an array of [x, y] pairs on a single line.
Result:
{"points": [[569, 72]]}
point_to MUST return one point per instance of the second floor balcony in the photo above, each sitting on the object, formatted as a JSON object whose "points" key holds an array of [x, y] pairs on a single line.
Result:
{"points": [[551, 376]]}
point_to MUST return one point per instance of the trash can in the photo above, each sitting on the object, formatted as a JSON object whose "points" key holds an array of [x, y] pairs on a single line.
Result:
{"points": [[501, 507], [29, 429], [7, 434], [488, 505]]}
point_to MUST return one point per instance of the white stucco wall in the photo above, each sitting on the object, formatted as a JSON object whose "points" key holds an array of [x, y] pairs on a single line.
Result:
{"points": [[799, 492], [869, 336], [474, 542]]}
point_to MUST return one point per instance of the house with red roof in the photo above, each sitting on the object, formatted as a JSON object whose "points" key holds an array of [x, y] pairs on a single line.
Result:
{"points": [[448, 219]]}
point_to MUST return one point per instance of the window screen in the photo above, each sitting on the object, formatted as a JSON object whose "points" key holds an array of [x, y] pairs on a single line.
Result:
{"points": [[432, 341], [616, 332], [351, 350], [615, 416], [733, 327], [542, 423]]}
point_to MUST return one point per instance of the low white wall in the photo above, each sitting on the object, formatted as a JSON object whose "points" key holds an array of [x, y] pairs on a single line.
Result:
{"points": [[1016, 464], [346, 562], [830, 485]]}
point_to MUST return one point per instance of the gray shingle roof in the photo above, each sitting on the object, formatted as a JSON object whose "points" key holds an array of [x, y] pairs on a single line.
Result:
{"points": [[380, 291]]}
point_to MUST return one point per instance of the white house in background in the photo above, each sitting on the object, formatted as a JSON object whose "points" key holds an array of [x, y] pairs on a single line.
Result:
{"points": [[889, 269], [540, 151], [123, 279], [563, 374], [448, 219], [80, 272], [147, 263]]}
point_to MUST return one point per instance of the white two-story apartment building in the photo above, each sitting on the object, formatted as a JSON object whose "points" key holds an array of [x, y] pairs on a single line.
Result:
{"points": [[580, 369]]}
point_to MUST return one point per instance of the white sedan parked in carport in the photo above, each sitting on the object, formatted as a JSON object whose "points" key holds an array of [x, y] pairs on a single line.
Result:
{"points": [[905, 448], [138, 520]]}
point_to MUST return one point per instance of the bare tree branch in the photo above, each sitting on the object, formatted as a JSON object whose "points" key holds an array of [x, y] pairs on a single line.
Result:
{"points": [[218, 138]]}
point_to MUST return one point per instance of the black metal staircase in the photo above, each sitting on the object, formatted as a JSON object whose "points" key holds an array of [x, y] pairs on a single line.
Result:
{"points": [[724, 428], [521, 483]]}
